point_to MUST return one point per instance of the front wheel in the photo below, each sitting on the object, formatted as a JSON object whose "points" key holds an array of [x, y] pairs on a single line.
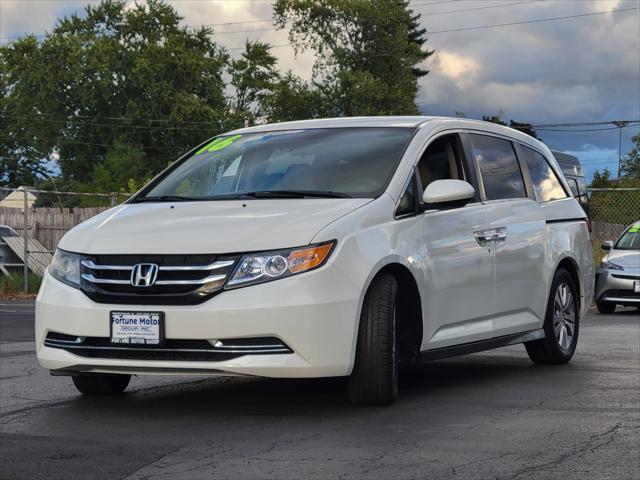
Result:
{"points": [[101, 383], [374, 380], [561, 323]]}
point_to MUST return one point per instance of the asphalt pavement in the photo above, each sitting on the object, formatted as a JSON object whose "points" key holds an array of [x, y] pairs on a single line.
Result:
{"points": [[488, 415]]}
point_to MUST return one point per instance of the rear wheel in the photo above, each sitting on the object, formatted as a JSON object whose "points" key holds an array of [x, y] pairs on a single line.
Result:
{"points": [[606, 308], [374, 380], [561, 323], [101, 383]]}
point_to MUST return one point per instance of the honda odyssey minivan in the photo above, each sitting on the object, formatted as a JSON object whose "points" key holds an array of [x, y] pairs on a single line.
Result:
{"points": [[324, 248]]}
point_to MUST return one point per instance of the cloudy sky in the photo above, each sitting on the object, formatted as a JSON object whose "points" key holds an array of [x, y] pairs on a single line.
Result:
{"points": [[584, 69]]}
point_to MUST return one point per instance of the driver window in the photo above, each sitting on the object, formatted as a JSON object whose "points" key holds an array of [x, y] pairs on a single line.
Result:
{"points": [[441, 161]]}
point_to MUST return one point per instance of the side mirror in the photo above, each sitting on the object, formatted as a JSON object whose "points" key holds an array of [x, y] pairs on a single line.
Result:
{"points": [[443, 194], [608, 245]]}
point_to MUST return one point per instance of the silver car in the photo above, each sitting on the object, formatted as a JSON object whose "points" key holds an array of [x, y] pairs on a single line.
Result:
{"points": [[618, 279]]}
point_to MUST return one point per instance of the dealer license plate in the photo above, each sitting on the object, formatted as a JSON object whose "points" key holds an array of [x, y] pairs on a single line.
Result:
{"points": [[636, 286], [137, 328]]}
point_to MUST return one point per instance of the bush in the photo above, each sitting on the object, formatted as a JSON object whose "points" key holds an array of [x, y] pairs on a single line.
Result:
{"points": [[14, 284]]}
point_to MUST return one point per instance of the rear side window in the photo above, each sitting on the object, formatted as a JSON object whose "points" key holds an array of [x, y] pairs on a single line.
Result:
{"points": [[546, 185], [499, 167], [573, 186]]}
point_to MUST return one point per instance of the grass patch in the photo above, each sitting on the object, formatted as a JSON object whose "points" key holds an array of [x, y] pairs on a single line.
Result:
{"points": [[13, 284]]}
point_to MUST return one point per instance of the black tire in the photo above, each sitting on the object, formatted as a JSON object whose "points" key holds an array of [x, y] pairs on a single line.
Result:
{"points": [[548, 350], [606, 308], [101, 383], [374, 380]]}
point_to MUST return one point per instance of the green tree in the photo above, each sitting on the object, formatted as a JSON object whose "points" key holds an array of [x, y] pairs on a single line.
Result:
{"points": [[522, 127], [369, 52], [630, 168], [110, 78], [291, 98], [253, 76], [601, 179]]}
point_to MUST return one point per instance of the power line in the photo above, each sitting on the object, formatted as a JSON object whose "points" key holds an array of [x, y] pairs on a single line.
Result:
{"points": [[435, 32], [499, 25], [77, 120], [100, 124], [486, 7], [538, 20], [583, 124], [445, 12], [582, 129]]}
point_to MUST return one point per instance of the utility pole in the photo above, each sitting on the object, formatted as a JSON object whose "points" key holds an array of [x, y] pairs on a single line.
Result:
{"points": [[620, 124], [25, 239]]}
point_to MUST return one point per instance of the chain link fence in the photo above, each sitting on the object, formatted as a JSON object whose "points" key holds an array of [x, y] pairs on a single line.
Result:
{"points": [[611, 210], [32, 222]]}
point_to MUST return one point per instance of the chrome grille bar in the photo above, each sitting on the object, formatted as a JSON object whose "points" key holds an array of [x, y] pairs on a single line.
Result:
{"points": [[91, 279], [166, 268], [201, 281], [213, 266], [92, 266], [51, 343]]}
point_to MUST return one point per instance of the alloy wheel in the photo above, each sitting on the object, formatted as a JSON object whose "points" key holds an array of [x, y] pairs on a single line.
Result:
{"points": [[564, 316]]}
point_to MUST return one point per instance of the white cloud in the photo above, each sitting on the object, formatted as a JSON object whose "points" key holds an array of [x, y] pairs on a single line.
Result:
{"points": [[462, 70], [583, 69]]}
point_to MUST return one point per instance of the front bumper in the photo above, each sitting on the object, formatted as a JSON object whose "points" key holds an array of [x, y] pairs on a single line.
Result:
{"points": [[315, 314], [616, 286]]}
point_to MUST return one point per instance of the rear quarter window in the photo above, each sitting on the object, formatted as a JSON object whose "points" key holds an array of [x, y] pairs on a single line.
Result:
{"points": [[546, 185]]}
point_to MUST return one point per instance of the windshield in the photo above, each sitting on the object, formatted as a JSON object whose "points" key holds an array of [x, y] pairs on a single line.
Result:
{"points": [[630, 240], [336, 162]]}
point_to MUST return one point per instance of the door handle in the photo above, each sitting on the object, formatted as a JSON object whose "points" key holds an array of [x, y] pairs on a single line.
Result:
{"points": [[491, 237], [500, 234], [483, 237]]}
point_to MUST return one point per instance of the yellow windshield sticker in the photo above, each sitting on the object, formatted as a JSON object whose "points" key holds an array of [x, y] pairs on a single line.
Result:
{"points": [[218, 144]]}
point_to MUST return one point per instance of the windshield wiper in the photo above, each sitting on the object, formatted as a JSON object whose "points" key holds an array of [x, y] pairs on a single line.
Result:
{"points": [[166, 198], [293, 194]]}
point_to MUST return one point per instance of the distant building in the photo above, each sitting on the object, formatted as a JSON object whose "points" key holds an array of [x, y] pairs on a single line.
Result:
{"points": [[15, 199]]}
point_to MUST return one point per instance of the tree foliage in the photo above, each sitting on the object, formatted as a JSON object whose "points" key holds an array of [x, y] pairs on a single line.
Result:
{"points": [[369, 52], [253, 76], [116, 93], [522, 127], [630, 167], [114, 85]]}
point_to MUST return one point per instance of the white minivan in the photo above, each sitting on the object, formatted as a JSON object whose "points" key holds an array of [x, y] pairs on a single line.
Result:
{"points": [[324, 248]]}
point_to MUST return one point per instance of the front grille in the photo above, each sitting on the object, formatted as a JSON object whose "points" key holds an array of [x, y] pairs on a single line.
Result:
{"points": [[170, 349], [181, 279], [622, 294], [625, 277]]}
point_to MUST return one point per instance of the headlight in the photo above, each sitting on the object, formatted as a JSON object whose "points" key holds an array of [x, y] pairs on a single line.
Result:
{"points": [[65, 267], [610, 266], [267, 266]]}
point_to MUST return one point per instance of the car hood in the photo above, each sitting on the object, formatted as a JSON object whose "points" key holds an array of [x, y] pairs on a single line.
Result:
{"points": [[625, 258], [225, 226]]}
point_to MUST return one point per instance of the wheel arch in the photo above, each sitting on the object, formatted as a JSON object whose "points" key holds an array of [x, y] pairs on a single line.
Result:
{"points": [[409, 314], [571, 265]]}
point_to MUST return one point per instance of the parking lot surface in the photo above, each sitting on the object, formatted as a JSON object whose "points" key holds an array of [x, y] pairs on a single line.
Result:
{"points": [[488, 415]]}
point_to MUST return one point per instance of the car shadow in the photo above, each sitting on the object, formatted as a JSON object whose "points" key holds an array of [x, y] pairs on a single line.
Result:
{"points": [[205, 406], [264, 396]]}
